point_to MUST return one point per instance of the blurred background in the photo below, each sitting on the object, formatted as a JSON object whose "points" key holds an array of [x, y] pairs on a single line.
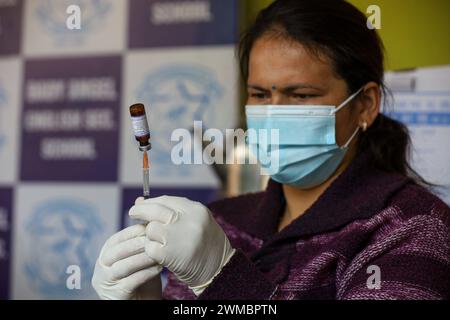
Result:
{"points": [[69, 164]]}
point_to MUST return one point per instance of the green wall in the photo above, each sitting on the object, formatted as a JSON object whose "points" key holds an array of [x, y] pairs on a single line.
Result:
{"points": [[416, 33]]}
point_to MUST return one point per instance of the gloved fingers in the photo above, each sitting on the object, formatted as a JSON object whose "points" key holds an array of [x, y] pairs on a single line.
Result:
{"points": [[126, 234], [125, 267], [156, 231], [135, 280], [149, 211], [155, 250], [123, 250], [174, 203], [139, 200], [99, 273]]}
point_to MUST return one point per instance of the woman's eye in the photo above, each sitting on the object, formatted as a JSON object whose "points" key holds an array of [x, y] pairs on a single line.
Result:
{"points": [[259, 96], [303, 96]]}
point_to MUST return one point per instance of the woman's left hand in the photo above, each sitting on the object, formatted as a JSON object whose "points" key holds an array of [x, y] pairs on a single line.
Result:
{"points": [[183, 236]]}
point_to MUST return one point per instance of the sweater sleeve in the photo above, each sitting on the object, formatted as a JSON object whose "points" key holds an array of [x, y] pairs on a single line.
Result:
{"points": [[239, 279], [408, 261]]}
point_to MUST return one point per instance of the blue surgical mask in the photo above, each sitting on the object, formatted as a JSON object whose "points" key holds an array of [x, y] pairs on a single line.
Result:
{"points": [[306, 151]]}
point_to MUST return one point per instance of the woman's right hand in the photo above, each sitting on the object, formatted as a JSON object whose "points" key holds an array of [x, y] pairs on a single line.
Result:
{"points": [[124, 271]]}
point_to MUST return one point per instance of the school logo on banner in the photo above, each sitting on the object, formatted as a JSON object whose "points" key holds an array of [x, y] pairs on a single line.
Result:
{"points": [[62, 233], [178, 95], [58, 232], [52, 14], [178, 87], [71, 27]]}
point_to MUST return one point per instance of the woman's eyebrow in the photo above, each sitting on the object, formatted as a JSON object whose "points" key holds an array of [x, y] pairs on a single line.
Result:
{"points": [[256, 87], [288, 88], [296, 86]]}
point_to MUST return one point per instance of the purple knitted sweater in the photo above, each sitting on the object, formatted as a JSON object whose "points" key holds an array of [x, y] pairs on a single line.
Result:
{"points": [[366, 217]]}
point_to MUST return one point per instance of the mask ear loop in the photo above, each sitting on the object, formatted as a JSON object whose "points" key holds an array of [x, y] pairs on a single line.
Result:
{"points": [[345, 146], [343, 104]]}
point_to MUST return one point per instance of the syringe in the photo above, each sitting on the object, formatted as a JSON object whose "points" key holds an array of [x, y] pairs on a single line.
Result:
{"points": [[146, 181], [142, 134]]}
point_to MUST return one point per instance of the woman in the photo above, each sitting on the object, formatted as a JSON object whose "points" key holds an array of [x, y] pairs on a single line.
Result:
{"points": [[343, 217]]}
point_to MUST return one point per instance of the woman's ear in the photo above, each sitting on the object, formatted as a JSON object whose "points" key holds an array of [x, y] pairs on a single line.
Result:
{"points": [[369, 104]]}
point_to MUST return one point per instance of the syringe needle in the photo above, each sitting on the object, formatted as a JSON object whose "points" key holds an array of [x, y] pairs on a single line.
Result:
{"points": [[146, 181]]}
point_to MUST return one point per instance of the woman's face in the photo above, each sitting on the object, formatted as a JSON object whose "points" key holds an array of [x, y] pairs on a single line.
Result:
{"points": [[283, 72]]}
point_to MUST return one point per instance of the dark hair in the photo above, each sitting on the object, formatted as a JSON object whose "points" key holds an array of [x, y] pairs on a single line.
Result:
{"points": [[339, 30]]}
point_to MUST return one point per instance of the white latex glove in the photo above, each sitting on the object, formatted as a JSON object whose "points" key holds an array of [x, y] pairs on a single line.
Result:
{"points": [[184, 237], [124, 271]]}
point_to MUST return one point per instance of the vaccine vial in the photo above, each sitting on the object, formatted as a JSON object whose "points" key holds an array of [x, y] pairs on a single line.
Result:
{"points": [[140, 126]]}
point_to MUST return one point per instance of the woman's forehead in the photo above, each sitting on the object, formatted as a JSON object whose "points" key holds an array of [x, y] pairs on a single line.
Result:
{"points": [[276, 59]]}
